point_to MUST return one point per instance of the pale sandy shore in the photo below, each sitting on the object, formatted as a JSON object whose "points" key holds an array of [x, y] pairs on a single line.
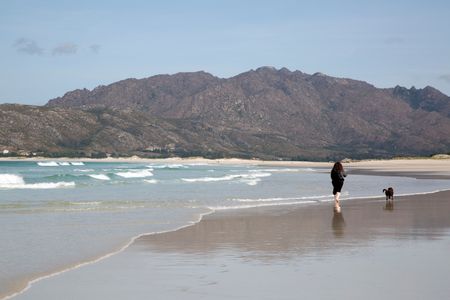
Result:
{"points": [[370, 251], [400, 166]]}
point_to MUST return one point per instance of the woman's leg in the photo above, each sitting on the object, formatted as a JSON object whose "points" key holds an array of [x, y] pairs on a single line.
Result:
{"points": [[337, 193], [336, 199]]}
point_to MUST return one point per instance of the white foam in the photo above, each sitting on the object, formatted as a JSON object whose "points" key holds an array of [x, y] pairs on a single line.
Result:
{"points": [[83, 170], [278, 199], [168, 166], [12, 181], [153, 181], [260, 205], [77, 163], [95, 203], [135, 174], [47, 163], [100, 176], [209, 179], [250, 179], [64, 163], [284, 170], [95, 260], [49, 185]]}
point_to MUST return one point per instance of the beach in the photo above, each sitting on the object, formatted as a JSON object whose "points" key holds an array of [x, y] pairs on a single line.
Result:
{"points": [[371, 250], [417, 166]]}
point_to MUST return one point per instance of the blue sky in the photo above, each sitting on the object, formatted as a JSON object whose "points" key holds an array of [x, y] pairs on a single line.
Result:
{"points": [[50, 47]]}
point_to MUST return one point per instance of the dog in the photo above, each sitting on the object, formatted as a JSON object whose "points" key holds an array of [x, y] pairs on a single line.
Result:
{"points": [[389, 192]]}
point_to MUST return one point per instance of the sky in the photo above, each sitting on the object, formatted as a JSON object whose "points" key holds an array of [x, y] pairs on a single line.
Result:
{"points": [[48, 48]]}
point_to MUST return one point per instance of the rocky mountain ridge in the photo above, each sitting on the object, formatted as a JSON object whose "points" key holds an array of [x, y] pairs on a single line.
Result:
{"points": [[266, 113]]}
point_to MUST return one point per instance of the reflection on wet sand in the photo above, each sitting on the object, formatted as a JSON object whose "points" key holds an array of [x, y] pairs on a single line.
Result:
{"points": [[307, 229], [305, 253], [389, 205], [338, 224]]}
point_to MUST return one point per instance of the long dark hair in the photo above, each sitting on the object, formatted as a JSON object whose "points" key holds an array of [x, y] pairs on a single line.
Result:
{"points": [[337, 167]]}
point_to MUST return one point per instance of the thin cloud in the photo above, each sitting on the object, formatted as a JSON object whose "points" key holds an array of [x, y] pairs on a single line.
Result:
{"points": [[445, 77], [27, 46], [65, 49], [95, 48]]}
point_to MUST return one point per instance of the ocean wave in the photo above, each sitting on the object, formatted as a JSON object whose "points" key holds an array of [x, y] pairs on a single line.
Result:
{"points": [[75, 206], [83, 170], [45, 185], [215, 208], [153, 181], [284, 170], [86, 206], [99, 176], [62, 177], [64, 163], [94, 203], [251, 179], [77, 163], [168, 166], [12, 181], [279, 199], [47, 163], [135, 174]]}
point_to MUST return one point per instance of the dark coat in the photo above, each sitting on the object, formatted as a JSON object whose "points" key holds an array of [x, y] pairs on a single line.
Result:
{"points": [[337, 176]]}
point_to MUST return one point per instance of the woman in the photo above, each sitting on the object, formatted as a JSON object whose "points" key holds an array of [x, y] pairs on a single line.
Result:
{"points": [[337, 179]]}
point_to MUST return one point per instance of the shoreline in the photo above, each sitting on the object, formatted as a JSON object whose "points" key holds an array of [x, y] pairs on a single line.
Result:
{"points": [[30, 283], [363, 162], [213, 213], [202, 237], [420, 168], [174, 160], [286, 207]]}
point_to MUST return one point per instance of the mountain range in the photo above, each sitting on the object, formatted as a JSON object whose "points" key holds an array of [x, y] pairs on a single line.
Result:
{"points": [[265, 113]]}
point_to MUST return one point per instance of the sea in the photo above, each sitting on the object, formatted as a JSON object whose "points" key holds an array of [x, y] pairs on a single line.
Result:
{"points": [[59, 215]]}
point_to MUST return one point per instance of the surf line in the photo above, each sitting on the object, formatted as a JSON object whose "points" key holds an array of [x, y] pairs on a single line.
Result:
{"points": [[95, 260], [201, 216]]}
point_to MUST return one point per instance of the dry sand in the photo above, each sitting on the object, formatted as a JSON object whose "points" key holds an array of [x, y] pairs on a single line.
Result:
{"points": [[391, 165]]}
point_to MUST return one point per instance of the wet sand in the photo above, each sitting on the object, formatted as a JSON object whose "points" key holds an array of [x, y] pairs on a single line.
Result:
{"points": [[370, 251]]}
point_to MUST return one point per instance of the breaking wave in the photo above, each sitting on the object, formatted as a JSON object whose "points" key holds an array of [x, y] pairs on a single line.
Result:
{"points": [[100, 176], [135, 174], [153, 181], [168, 166], [12, 181], [250, 179], [83, 170], [47, 163]]}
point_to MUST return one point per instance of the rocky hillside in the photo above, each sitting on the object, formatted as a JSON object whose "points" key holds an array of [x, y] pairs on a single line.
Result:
{"points": [[264, 113]]}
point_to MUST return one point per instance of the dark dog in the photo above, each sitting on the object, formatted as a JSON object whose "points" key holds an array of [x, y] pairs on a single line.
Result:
{"points": [[389, 192]]}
